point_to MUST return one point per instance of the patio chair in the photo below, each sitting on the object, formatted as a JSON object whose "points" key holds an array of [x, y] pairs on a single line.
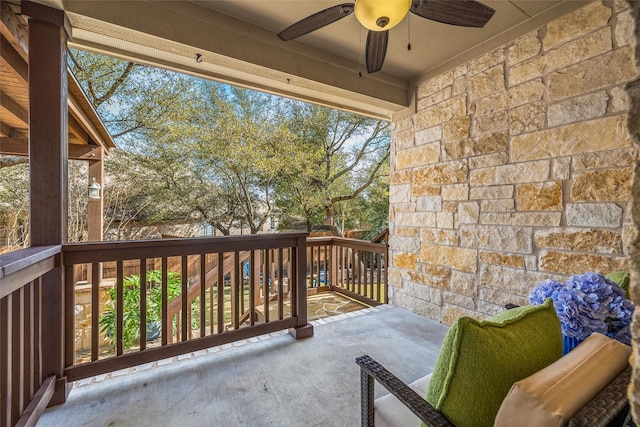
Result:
{"points": [[587, 387]]}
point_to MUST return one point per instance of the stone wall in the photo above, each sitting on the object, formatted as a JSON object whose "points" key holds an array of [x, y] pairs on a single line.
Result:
{"points": [[517, 167]]}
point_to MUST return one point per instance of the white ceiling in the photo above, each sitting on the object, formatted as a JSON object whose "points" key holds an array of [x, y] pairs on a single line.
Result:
{"points": [[238, 43]]}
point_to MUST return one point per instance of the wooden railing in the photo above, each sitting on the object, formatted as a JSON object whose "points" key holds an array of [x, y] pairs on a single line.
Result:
{"points": [[355, 268], [25, 388], [215, 306]]}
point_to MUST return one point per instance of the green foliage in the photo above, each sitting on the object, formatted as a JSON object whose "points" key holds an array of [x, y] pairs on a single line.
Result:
{"points": [[131, 305]]}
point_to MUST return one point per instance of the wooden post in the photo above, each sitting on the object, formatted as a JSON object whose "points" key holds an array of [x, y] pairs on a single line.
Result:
{"points": [[302, 329], [49, 30]]}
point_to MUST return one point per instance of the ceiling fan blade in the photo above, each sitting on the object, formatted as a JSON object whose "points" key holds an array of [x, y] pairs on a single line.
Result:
{"points": [[316, 21], [376, 49], [465, 13]]}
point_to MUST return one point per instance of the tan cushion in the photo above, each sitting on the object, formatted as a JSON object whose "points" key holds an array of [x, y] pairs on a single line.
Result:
{"points": [[389, 412], [551, 396]]}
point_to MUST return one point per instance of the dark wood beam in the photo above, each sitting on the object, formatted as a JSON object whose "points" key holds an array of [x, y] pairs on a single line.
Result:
{"points": [[12, 107], [76, 130], [20, 147], [12, 60], [12, 28]]}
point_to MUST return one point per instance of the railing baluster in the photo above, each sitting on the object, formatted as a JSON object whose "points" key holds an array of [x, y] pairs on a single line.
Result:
{"points": [[372, 260], [317, 249], [280, 285], [119, 308], [266, 278], [27, 382], [143, 304], [95, 310], [220, 292], [236, 279], [253, 267], [381, 298], [37, 333], [184, 299], [17, 356], [69, 321], [6, 321], [203, 294], [167, 330]]}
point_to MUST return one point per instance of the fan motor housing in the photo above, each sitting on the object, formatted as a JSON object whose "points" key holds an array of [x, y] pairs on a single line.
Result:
{"points": [[377, 15]]}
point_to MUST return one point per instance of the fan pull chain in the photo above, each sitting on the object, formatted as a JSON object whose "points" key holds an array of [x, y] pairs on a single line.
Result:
{"points": [[360, 53], [409, 36]]}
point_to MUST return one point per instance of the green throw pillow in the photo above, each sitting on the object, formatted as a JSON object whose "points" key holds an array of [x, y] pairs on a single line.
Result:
{"points": [[480, 361], [622, 279]]}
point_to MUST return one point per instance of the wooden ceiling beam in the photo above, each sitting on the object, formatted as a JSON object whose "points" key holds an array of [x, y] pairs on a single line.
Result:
{"points": [[12, 28], [76, 130], [12, 107], [12, 60], [20, 147]]}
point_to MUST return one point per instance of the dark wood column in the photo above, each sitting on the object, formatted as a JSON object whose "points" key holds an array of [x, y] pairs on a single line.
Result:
{"points": [[49, 30]]}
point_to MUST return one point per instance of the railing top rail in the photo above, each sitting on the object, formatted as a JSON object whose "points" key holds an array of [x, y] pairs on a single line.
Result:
{"points": [[77, 253], [22, 266], [12, 262]]}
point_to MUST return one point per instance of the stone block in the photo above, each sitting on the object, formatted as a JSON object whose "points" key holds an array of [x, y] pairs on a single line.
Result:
{"points": [[434, 98], [408, 261], [493, 192], [403, 244], [399, 207], [525, 93], [531, 262], [606, 159], [579, 240], [486, 61], [489, 104], [489, 309], [490, 124], [487, 82], [407, 232], [450, 207], [501, 239], [501, 205], [416, 219], [436, 271], [439, 237], [394, 277], [429, 203], [452, 313], [624, 30], [440, 113], [435, 84], [456, 258], [488, 160], [442, 173], [594, 135], [400, 193], [604, 215], [605, 70], [527, 172], [561, 168], [508, 260], [572, 262], [525, 71], [511, 280], [459, 85], [528, 118], [423, 308], [464, 283], [402, 124], [403, 139], [543, 196], [619, 100], [416, 290], [468, 213], [458, 300], [425, 189], [456, 129], [455, 192], [496, 142], [608, 185], [425, 136], [541, 219], [501, 298], [437, 282], [524, 47], [576, 24], [629, 235], [400, 177], [444, 220], [418, 156], [579, 50], [578, 109]]}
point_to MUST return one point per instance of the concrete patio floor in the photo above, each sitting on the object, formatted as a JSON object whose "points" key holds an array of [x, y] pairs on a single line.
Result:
{"points": [[266, 381]]}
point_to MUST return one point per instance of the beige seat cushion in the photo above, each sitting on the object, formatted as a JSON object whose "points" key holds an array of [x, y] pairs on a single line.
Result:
{"points": [[551, 396], [389, 412]]}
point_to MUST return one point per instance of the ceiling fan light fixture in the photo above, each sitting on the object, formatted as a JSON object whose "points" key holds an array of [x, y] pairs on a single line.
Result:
{"points": [[381, 15]]}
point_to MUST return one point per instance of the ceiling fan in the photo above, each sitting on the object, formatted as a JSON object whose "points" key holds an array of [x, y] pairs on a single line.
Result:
{"points": [[378, 16]]}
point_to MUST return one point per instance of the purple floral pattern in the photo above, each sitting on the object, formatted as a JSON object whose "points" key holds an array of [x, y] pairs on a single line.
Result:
{"points": [[587, 303]]}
